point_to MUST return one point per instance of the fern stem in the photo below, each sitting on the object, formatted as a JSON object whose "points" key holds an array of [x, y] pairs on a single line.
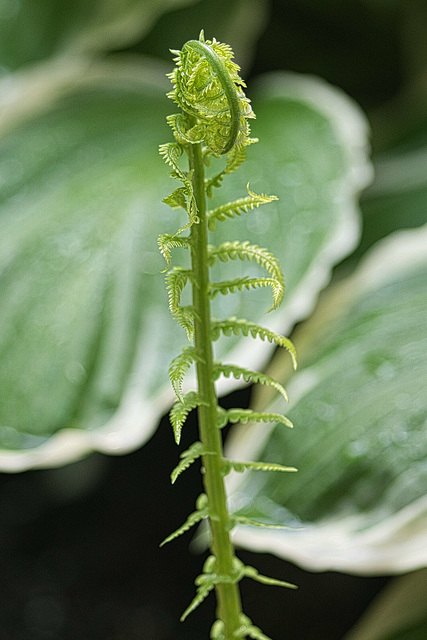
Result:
{"points": [[228, 594]]}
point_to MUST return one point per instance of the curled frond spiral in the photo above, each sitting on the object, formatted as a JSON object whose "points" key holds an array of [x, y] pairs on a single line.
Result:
{"points": [[209, 90]]}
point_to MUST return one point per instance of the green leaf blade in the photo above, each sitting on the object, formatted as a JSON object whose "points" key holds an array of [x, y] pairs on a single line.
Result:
{"points": [[359, 442], [180, 410], [80, 276]]}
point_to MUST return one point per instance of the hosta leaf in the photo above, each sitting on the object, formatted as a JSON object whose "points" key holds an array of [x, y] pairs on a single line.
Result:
{"points": [[80, 284], [398, 196], [360, 413], [85, 334]]}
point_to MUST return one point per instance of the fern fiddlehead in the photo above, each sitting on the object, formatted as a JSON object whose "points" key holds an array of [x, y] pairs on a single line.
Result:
{"points": [[213, 121]]}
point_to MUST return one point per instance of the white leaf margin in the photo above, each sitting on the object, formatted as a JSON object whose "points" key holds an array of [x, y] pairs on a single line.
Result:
{"points": [[138, 415], [396, 545]]}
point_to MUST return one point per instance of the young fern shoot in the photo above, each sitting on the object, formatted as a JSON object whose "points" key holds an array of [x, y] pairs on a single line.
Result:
{"points": [[214, 122]]}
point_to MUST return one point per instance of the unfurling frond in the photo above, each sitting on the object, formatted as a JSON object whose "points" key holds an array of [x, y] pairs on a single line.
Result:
{"points": [[246, 251], [213, 122], [184, 133], [180, 410], [236, 208], [189, 456], [209, 91], [179, 367], [237, 372], [239, 326], [244, 416], [171, 153], [192, 519], [234, 465]]}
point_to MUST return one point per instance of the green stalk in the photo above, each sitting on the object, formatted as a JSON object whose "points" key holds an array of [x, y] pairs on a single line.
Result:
{"points": [[228, 594]]}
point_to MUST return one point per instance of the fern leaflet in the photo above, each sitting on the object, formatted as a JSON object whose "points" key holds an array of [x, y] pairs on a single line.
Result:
{"points": [[249, 629], [253, 466], [253, 253], [185, 317], [177, 199], [238, 284], [238, 326], [176, 279], [189, 456], [171, 153], [193, 519], [184, 196], [251, 572], [179, 367], [256, 634], [180, 410], [236, 208], [247, 415], [237, 372], [202, 593], [177, 123], [167, 242]]}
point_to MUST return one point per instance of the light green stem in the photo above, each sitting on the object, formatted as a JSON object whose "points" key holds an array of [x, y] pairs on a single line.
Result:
{"points": [[228, 595]]}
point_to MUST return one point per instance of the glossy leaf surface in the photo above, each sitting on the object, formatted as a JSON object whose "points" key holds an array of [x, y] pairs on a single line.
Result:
{"points": [[86, 336], [359, 409]]}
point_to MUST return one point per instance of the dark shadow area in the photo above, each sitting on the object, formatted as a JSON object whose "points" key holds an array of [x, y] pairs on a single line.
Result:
{"points": [[80, 558]]}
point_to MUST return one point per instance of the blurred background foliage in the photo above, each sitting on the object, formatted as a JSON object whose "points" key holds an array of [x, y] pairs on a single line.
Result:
{"points": [[79, 552]]}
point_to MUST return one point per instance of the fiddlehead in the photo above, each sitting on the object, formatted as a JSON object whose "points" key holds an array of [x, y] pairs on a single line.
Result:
{"points": [[214, 122], [209, 91]]}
